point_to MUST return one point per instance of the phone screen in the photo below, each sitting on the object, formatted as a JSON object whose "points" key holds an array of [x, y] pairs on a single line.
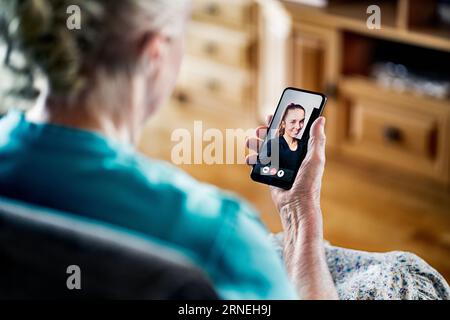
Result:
{"points": [[285, 145]]}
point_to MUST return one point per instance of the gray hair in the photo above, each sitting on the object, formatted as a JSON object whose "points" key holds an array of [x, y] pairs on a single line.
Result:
{"points": [[102, 48]]}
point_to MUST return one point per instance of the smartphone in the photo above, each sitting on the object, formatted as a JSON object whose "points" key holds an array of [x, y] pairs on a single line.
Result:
{"points": [[286, 143]]}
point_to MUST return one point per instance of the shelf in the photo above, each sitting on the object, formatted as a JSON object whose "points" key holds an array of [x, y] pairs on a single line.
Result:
{"points": [[352, 17], [370, 87], [357, 11], [438, 32]]}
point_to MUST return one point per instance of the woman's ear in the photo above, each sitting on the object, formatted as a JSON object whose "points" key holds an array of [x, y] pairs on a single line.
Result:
{"points": [[150, 47]]}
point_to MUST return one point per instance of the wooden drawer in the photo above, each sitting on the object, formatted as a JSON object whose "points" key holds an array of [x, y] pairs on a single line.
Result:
{"points": [[393, 130], [213, 84], [234, 13], [402, 131], [231, 47]]}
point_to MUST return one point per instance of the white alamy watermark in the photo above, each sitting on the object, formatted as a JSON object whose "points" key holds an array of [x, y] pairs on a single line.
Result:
{"points": [[73, 21], [73, 281], [214, 146], [374, 20], [210, 146]]}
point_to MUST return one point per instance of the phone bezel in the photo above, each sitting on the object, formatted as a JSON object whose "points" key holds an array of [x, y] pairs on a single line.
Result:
{"points": [[269, 179]]}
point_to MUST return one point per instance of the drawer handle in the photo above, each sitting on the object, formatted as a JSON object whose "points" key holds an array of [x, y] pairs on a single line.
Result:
{"points": [[392, 134], [212, 9], [213, 85], [210, 48], [182, 97]]}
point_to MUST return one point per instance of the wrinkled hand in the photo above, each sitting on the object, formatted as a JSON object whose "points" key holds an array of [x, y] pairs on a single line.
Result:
{"points": [[307, 184], [301, 217]]}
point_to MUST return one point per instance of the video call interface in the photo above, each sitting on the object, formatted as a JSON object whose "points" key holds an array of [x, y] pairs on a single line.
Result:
{"points": [[286, 143]]}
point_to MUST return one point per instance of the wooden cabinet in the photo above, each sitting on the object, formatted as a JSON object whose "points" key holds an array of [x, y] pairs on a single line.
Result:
{"points": [[333, 51], [218, 76], [234, 64], [232, 13]]}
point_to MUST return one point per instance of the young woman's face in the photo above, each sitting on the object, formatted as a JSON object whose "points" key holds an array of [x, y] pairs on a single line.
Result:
{"points": [[294, 122]]}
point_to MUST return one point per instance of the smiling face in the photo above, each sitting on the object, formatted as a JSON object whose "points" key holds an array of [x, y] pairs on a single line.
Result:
{"points": [[293, 122]]}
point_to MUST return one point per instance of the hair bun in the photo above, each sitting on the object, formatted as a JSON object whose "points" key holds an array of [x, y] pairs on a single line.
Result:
{"points": [[37, 29]]}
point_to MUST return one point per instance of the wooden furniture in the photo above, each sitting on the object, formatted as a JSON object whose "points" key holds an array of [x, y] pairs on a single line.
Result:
{"points": [[397, 132], [218, 74], [363, 209], [230, 71]]}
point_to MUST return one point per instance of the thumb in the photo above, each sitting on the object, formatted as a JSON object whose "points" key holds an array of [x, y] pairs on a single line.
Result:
{"points": [[318, 129], [317, 138]]}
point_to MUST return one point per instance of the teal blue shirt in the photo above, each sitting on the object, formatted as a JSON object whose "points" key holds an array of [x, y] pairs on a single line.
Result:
{"points": [[83, 173]]}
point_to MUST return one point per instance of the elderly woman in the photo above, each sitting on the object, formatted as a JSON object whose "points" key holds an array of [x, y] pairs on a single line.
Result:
{"points": [[73, 151]]}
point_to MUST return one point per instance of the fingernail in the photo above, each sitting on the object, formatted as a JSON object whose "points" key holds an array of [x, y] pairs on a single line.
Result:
{"points": [[322, 125]]}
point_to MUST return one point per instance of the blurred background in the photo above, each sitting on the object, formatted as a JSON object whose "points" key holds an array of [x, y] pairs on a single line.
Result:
{"points": [[387, 179]]}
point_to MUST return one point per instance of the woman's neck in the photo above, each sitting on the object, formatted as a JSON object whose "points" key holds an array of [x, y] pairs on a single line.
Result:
{"points": [[289, 139], [119, 127], [292, 142]]}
